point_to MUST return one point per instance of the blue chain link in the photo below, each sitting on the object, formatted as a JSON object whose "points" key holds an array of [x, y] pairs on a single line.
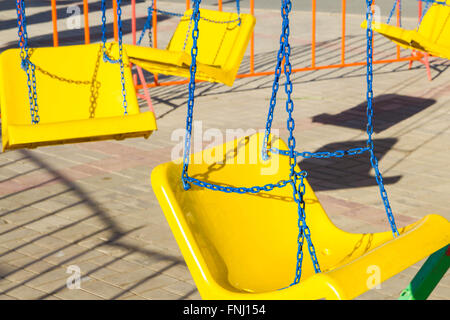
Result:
{"points": [[441, 3], [26, 64], [399, 2], [148, 23], [297, 182], [370, 145], [190, 109], [296, 179], [273, 98], [428, 3], [323, 154], [119, 61]]}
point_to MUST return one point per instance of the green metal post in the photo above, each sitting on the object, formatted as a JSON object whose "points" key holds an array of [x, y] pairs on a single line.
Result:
{"points": [[428, 276]]}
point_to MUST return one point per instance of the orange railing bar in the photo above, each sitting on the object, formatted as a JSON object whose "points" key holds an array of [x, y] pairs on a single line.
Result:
{"points": [[133, 21], [268, 73], [188, 4], [344, 7], [313, 34], [420, 10], [55, 24], [155, 34], [398, 25], [313, 66], [87, 38], [116, 26], [252, 40], [252, 72]]}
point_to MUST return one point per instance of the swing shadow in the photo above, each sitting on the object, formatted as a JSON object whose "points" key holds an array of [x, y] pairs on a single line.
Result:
{"points": [[229, 159], [175, 97], [22, 216], [70, 36], [389, 110], [347, 172]]}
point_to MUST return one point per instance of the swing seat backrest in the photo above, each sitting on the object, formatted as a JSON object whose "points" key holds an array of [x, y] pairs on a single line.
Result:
{"points": [[78, 94], [243, 246], [219, 44], [73, 83], [435, 26]]}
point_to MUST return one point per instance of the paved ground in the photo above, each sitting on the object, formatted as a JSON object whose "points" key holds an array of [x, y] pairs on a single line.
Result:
{"points": [[91, 205]]}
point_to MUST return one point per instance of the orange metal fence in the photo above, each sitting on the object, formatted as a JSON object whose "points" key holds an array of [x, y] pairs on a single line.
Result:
{"points": [[252, 72]]}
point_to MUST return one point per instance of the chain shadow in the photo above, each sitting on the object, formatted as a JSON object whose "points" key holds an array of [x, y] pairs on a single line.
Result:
{"points": [[116, 235], [390, 110], [347, 172], [176, 96], [70, 36]]}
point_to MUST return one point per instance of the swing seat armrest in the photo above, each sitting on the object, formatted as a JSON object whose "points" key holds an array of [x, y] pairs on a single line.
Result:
{"points": [[43, 134], [139, 54]]}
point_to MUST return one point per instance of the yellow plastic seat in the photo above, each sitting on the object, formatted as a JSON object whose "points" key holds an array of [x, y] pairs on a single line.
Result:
{"points": [[244, 246], [221, 48], [79, 98], [433, 35]]}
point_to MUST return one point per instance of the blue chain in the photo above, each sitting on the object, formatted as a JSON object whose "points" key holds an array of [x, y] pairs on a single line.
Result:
{"points": [[296, 179], [273, 98], [119, 61], [370, 145], [190, 109], [238, 9], [399, 2], [297, 182], [26, 64], [424, 11], [441, 3], [323, 154], [148, 23]]}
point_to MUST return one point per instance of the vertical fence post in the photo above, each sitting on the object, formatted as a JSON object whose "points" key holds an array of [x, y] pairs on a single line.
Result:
{"points": [[133, 21], [398, 25], [373, 37], [252, 40], [344, 8], [420, 10], [313, 35], [55, 24], [116, 27], [219, 3], [155, 34], [87, 38], [188, 4]]}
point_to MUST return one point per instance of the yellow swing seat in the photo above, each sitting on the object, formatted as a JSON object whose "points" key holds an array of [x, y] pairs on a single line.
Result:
{"points": [[432, 36], [79, 97], [221, 48], [244, 246]]}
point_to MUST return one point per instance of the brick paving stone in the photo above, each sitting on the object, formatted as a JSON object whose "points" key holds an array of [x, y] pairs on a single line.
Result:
{"points": [[76, 294], [26, 293], [181, 288], [101, 289], [49, 275], [13, 273], [140, 280], [159, 294], [92, 205]]}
